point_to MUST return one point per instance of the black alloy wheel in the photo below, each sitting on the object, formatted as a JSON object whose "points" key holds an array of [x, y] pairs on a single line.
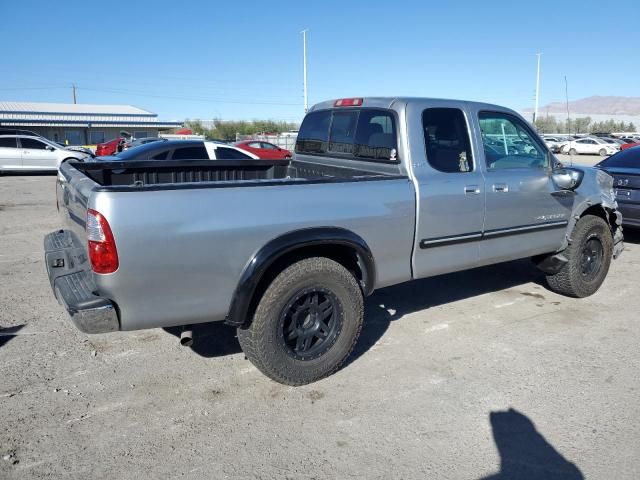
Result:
{"points": [[310, 323]]}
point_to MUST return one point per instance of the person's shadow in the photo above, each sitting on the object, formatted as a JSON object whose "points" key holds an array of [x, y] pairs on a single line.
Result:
{"points": [[524, 452]]}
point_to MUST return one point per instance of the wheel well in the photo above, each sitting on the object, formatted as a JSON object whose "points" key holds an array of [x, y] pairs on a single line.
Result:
{"points": [[604, 213], [345, 255]]}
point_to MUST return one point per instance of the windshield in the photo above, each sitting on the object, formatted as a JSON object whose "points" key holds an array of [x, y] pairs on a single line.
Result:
{"points": [[137, 152]]}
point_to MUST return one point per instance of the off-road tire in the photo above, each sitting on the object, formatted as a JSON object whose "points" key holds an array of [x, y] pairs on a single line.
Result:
{"points": [[573, 151], [263, 342], [571, 280]]}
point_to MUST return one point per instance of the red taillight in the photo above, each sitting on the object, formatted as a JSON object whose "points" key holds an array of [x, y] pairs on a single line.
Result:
{"points": [[348, 102], [102, 245]]}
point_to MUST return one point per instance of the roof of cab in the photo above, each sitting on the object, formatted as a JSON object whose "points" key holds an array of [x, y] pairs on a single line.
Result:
{"points": [[389, 102]]}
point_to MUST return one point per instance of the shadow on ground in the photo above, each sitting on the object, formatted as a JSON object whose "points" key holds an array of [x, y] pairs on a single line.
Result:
{"points": [[524, 453], [389, 304], [393, 303], [213, 339], [7, 334]]}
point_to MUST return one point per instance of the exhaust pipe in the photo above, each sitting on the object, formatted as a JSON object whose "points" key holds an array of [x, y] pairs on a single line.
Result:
{"points": [[186, 337]]}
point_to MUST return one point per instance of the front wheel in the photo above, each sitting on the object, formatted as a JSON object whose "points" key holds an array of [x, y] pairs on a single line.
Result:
{"points": [[573, 151], [589, 256], [306, 323], [602, 152]]}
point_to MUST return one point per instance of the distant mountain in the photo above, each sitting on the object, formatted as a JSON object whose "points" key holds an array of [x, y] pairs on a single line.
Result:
{"points": [[597, 105]]}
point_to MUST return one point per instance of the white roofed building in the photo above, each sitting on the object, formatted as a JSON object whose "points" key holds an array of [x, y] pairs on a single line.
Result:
{"points": [[81, 124]]}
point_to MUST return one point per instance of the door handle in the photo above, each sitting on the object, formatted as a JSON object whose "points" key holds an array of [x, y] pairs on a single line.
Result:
{"points": [[501, 187], [473, 189]]}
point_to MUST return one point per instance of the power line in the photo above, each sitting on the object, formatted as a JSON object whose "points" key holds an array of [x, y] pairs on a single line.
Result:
{"points": [[246, 101]]}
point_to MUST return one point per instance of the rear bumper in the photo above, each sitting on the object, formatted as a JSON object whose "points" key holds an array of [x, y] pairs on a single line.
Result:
{"points": [[72, 283]]}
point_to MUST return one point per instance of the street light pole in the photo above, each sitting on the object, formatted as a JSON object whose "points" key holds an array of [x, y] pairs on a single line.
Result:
{"points": [[535, 113], [304, 69]]}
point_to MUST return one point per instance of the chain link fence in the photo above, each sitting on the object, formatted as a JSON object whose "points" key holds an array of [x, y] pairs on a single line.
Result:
{"points": [[283, 140]]}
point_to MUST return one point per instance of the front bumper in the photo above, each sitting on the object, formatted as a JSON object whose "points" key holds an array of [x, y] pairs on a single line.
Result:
{"points": [[72, 282], [618, 237]]}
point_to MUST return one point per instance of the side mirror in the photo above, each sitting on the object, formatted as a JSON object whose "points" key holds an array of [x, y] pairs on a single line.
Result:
{"points": [[567, 178], [50, 148]]}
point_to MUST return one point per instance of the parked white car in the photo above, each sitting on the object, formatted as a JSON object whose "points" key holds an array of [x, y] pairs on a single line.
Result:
{"points": [[555, 142], [590, 145], [31, 152]]}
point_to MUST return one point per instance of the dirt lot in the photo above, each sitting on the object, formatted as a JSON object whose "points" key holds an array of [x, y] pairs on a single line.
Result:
{"points": [[483, 374]]}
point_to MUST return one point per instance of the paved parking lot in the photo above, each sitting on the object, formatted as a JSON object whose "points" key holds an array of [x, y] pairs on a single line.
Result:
{"points": [[483, 374]]}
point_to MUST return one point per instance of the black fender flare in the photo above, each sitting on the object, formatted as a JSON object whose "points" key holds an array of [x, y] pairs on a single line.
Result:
{"points": [[290, 242]]}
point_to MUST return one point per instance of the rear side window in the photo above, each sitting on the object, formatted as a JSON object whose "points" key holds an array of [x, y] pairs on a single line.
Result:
{"points": [[314, 133], [446, 140], [190, 153], [8, 142], [223, 153]]}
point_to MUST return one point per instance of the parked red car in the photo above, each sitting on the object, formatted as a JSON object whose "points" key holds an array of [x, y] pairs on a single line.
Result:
{"points": [[636, 143], [264, 150], [111, 147]]}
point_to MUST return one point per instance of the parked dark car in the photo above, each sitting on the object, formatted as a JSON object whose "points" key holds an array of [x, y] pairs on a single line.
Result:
{"points": [[624, 166], [179, 150]]}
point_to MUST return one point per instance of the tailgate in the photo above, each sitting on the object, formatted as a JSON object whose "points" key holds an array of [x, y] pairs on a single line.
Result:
{"points": [[73, 190], [66, 257]]}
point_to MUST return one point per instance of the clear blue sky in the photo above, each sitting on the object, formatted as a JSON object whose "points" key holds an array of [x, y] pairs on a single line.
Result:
{"points": [[243, 60]]}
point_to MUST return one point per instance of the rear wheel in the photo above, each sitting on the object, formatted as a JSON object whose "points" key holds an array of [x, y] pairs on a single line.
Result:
{"points": [[306, 323], [589, 256], [573, 151]]}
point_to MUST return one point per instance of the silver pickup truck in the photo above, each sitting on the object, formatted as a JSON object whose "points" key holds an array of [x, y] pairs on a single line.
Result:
{"points": [[380, 191]]}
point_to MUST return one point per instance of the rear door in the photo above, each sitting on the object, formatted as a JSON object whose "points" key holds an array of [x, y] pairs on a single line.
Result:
{"points": [[37, 154], [10, 155], [450, 189], [525, 213]]}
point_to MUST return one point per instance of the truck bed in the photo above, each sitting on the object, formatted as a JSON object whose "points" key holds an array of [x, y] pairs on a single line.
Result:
{"points": [[221, 173]]}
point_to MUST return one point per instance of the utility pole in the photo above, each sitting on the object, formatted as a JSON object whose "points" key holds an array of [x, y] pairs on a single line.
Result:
{"points": [[74, 93], [566, 95], [304, 68], [535, 112]]}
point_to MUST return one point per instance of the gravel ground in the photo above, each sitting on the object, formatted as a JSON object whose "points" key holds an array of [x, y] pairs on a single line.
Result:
{"points": [[482, 374]]}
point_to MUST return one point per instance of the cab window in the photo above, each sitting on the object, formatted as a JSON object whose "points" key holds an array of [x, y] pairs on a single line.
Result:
{"points": [[360, 133], [446, 139], [509, 143]]}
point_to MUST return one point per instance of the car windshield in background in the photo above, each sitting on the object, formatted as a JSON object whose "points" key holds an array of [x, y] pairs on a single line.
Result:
{"points": [[137, 152], [629, 158]]}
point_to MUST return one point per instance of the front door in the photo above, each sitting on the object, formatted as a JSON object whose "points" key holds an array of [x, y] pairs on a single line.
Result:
{"points": [[526, 214], [450, 191], [37, 154]]}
